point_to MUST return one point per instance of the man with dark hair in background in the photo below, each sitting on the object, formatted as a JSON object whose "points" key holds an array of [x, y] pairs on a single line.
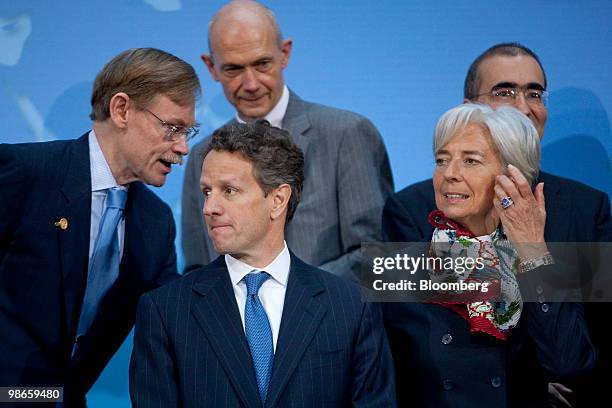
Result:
{"points": [[257, 326], [512, 74], [81, 236], [348, 176]]}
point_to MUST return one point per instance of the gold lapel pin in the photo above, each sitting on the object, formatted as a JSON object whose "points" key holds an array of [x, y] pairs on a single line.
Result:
{"points": [[62, 223]]}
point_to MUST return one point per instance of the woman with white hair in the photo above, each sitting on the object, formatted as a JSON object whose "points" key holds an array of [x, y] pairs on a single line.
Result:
{"points": [[493, 348]]}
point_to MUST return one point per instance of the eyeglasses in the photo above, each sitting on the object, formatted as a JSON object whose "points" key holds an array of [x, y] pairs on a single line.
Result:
{"points": [[176, 132], [504, 95]]}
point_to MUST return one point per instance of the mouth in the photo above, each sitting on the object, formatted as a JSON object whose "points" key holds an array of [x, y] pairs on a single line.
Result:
{"points": [[168, 160], [253, 100], [218, 228], [456, 197]]}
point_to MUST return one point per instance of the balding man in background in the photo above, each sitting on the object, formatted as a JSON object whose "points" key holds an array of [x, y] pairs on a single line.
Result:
{"points": [[347, 172]]}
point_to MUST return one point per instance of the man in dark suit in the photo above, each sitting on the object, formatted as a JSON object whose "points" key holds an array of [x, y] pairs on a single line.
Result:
{"points": [[257, 327], [81, 237], [348, 176], [505, 74]]}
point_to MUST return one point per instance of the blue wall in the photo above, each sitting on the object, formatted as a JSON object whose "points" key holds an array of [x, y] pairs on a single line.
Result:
{"points": [[400, 63]]}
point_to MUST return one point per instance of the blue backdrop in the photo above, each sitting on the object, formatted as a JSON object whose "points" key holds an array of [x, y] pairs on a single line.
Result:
{"points": [[400, 63]]}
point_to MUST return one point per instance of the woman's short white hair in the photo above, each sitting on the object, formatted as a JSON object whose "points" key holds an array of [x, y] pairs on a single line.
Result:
{"points": [[512, 133]]}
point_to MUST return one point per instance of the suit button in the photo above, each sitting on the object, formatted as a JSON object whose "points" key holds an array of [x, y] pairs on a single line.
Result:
{"points": [[448, 385], [545, 307], [496, 382], [447, 339], [539, 290]]}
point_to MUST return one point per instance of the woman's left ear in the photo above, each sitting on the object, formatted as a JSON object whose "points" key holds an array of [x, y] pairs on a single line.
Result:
{"points": [[280, 200]]}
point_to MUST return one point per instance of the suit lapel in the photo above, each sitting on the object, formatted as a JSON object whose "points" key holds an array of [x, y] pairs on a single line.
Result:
{"points": [[135, 257], [302, 315], [75, 208], [216, 312], [557, 210], [296, 121]]}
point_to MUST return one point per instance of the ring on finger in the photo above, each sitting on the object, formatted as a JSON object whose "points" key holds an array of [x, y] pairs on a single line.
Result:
{"points": [[506, 202]]}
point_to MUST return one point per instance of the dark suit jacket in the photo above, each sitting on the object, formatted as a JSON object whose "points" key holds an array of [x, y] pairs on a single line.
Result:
{"points": [[347, 180], [43, 268], [463, 370], [190, 349]]}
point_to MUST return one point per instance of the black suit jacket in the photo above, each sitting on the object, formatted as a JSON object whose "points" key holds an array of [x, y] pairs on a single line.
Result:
{"points": [[546, 346], [190, 349], [43, 268]]}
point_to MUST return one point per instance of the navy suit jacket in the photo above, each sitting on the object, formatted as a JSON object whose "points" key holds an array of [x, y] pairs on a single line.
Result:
{"points": [[465, 369], [43, 268], [190, 349]]}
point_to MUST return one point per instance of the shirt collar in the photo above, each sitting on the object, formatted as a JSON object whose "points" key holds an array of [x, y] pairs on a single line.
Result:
{"points": [[276, 115], [278, 269], [101, 175]]}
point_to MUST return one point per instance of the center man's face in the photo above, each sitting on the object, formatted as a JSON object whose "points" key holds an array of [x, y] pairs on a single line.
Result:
{"points": [[521, 71], [249, 64], [236, 210]]}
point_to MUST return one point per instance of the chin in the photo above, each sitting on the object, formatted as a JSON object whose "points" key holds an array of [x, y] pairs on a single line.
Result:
{"points": [[222, 249], [454, 215], [255, 113], [155, 181]]}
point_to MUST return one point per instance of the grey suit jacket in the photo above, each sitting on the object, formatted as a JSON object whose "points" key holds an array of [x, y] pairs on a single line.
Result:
{"points": [[347, 180]]}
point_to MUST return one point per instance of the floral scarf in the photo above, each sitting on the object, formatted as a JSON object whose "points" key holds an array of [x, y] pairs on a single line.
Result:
{"points": [[498, 310]]}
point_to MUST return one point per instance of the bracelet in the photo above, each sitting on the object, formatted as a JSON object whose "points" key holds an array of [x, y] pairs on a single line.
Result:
{"points": [[531, 264]]}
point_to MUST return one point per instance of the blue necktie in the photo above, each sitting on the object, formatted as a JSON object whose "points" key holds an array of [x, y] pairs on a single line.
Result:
{"points": [[258, 332], [104, 264]]}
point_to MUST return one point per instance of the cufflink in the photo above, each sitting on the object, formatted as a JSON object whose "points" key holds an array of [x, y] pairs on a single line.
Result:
{"points": [[62, 223]]}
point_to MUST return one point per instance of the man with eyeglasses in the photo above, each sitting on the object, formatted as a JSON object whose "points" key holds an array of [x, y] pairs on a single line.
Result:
{"points": [[81, 236], [511, 74]]}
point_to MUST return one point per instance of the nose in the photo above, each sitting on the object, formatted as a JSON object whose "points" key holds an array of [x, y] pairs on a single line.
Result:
{"points": [[452, 172], [250, 82], [180, 146], [520, 103], [212, 206]]}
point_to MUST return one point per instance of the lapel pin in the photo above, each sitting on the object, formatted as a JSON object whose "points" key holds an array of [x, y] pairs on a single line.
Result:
{"points": [[62, 223]]}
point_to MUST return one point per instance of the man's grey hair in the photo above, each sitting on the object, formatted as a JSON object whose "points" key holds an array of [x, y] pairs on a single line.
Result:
{"points": [[512, 133], [143, 73], [275, 157]]}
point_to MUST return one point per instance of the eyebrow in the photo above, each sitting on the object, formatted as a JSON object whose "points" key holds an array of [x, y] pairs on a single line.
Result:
{"points": [[530, 85], [231, 66], [464, 152], [233, 181], [251, 63], [180, 122], [474, 152]]}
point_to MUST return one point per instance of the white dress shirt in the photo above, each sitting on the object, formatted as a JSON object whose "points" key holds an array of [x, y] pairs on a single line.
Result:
{"points": [[276, 115], [272, 291], [101, 179]]}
